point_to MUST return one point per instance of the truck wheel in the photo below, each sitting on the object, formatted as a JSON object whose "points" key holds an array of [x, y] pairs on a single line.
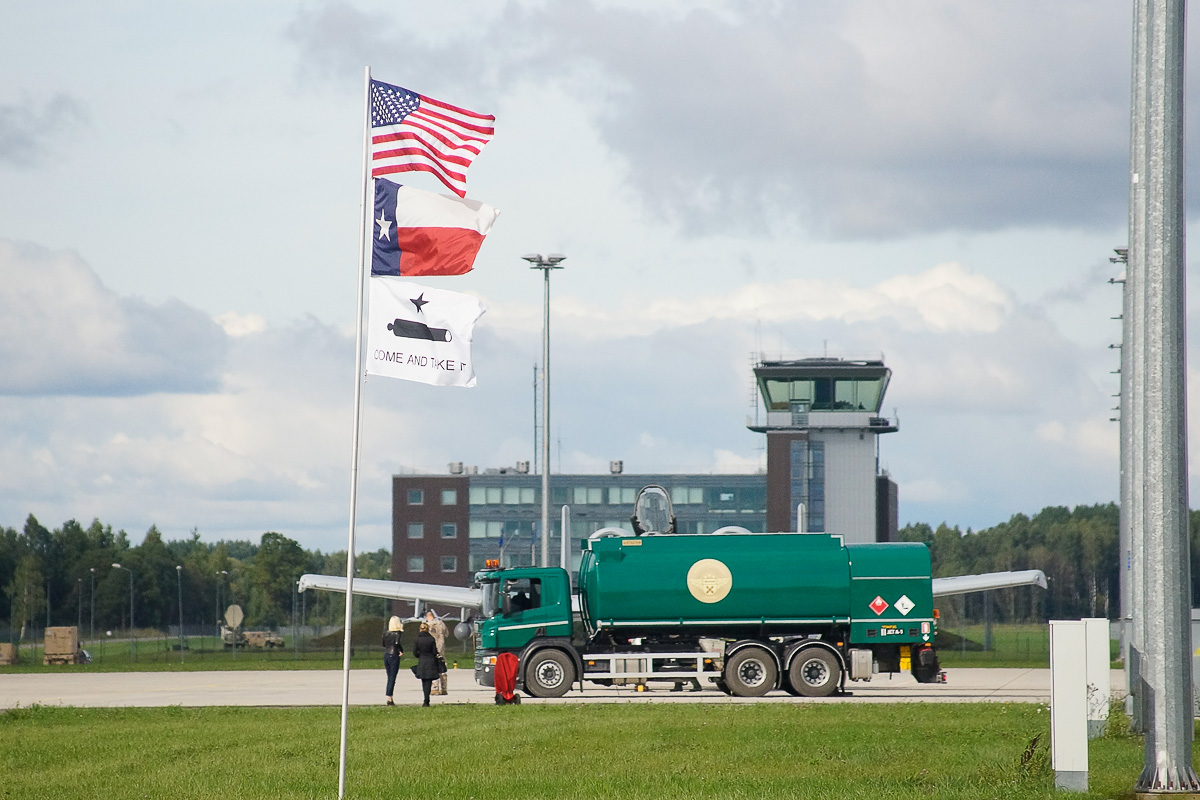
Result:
{"points": [[815, 672], [750, 672], [550, 673]]}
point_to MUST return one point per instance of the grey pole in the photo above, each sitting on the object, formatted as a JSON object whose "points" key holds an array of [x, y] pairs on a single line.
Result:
{"points": [[132, 652], [1133, 381], [565, 539], [179, 584], [92, 599], [1166, 668], [545, 264]]}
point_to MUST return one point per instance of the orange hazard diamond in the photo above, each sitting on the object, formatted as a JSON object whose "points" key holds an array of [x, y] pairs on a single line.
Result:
{"points": [[879, 605]]}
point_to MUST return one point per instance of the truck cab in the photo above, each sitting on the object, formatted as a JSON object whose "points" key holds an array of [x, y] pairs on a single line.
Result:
{"points": [[524, 609]]}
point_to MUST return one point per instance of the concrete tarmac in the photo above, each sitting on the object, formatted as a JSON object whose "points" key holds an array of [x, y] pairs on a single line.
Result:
{"points": [[324, 688]]}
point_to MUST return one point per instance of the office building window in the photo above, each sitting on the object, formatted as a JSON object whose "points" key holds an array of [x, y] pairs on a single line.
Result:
{"points": [[588, 495], [512, 495], [477, 530], [449, 497], [808, 485], [416, 497], [621, 496], [683, 495], [416, 530], [477, 496], [449, 563], [493, 495], [529, 496], [449, 530], [416, 563]]}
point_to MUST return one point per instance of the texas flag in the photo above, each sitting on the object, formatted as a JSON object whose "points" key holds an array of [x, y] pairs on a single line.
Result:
{"points": [[421, 233]]}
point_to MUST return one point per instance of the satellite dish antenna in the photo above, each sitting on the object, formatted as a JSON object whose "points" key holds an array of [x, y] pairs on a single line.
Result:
{"points": [[234, 616]]}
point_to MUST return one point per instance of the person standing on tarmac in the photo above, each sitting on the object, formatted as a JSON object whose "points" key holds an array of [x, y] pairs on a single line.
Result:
{"points": [[426, 670], [437, 629], [391, 655]]}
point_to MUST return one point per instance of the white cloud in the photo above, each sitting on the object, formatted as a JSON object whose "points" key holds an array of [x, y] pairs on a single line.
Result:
{"points": [[1051, 431], [932, 491], [727, 461], [943, 299], [235, 324], [63, 332]]}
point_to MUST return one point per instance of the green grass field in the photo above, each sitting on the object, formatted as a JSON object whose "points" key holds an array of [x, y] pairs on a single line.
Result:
{"points": [[550, 751], [1024, 645], [206, 653], [1016, 645]]}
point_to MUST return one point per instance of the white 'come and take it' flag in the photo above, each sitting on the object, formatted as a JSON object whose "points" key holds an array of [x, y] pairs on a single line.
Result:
{"points": [[416, 333]]}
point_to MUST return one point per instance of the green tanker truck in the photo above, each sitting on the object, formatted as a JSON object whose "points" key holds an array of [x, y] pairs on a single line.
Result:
{"points": [[748, 612]]}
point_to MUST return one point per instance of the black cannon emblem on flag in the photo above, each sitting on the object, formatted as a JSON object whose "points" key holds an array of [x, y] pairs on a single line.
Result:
{"points": [[408, 329]]}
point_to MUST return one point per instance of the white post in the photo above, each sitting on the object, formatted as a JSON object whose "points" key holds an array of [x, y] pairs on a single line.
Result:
{"points": [[546, 421], [565, 559], [1068, 706], [358, 373], [1099, 679]]}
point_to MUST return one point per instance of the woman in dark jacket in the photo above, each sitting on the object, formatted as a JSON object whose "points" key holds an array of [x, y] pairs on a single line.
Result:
{"points": [[391, 655], [426, 669]]}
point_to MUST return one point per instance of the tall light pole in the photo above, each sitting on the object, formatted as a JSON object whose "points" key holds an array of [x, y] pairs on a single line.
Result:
{"points": [[79, 597], [92, 598], [217, 596], [545, 264], [132, 653], [179, 583]]}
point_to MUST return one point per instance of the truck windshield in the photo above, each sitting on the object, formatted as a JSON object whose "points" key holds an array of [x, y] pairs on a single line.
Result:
{"points": [[491, 598]]}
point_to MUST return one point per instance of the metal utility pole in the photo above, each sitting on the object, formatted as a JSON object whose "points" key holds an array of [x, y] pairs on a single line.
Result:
{"points": [[545, 264], [535, 419], [1166, 678], [1133, 366], [179, 584], [132, 652]]}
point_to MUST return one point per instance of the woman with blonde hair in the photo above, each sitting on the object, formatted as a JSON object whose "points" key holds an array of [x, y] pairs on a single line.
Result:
{"points": [[426, 669], [391, 655]]}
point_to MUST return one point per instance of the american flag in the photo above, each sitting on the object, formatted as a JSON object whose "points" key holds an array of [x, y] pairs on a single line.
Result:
{"points": [[410, 131]]}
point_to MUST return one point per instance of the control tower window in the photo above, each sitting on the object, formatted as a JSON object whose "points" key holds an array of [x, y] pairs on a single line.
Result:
{"points": [[824, 394]]}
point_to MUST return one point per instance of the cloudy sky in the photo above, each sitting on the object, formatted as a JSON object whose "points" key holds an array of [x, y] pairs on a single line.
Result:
{"points": [[939, 182]]}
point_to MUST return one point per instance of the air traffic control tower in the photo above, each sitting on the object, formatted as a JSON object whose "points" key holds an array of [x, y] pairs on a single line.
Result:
{"points": [[822, 425]]}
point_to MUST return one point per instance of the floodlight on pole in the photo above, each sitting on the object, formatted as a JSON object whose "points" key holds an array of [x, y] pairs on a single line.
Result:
{"points": [[217, 594], [92, 624], [179, 583], [132, 653], [545, 264]]}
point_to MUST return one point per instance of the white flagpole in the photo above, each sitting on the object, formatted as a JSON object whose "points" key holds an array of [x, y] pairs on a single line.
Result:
{"points": [[358, 382]]}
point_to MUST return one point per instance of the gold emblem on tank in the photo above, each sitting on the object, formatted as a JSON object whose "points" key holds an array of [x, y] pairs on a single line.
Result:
{"points": [[709, 580]]}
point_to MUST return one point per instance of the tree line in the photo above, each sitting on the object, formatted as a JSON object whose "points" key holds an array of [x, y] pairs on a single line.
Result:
{"points": [[60, 576], [1077, 548], [53, 577]]}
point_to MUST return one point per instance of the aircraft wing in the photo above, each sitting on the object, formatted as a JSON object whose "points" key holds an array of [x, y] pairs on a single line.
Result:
{"points": [[964, 584], [460, 597]]}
